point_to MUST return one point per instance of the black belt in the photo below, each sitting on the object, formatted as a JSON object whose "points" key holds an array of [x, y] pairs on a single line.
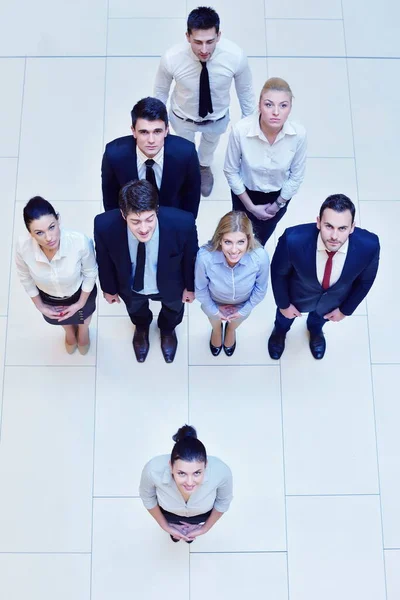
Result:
{"points": [[199, 122]]}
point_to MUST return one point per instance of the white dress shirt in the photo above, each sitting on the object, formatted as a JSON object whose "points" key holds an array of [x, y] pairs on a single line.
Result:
{"points": [[151, 260], [73, 265], [227, 62], [217, 283], [157, 486], [337, 262], [252, 162], [157, 167]]}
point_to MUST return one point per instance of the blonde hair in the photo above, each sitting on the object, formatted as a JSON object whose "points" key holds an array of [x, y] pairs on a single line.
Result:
{"points": [[233, 222], [277, 85]]}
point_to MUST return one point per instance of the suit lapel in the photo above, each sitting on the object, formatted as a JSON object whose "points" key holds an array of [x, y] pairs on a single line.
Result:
{"points": [[122, 247], [309, 255], [170, 169], [350, 264]]}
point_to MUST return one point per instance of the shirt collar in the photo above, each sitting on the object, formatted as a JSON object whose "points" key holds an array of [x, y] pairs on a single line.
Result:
{"points": [[219, 257], [196, 58], [256, 131], [322, 248], [158, 158]]}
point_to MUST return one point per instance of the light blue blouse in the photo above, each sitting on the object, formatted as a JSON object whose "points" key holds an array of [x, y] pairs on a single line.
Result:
{"points": [[217, 283]]}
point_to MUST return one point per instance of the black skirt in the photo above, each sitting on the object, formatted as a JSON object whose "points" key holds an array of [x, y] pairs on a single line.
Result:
{"points": [[80, 316], [195, 520]]}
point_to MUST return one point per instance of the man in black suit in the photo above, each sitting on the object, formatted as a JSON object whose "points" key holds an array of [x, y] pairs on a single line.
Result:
{"points": [[325, 269], [169, 162], [146, 251]]}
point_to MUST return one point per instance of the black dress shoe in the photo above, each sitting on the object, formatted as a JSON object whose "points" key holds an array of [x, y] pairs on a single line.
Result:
{"points": [[229, 350], [215, 350], [276, 344], [317, 345], [169, 344], [141, 343], [174, 539]]}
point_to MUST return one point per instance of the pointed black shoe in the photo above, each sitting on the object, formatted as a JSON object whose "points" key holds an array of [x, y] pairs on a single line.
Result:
{"points": [[276, 344], [169, 344], [317, 345], [215, 350], [229, 350], [141, 343]]}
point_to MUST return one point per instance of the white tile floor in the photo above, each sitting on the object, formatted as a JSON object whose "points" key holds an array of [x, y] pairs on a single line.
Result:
{"points": [[314, 446]]}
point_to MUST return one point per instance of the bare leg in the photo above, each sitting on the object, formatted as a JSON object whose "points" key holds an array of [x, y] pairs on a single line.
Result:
{"points": [[70, 334], [230, 332], [216, 336], [83, 332]]}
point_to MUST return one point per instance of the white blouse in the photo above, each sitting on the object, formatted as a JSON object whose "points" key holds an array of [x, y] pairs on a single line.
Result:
{"points": [[74, 265], [252, 162]]}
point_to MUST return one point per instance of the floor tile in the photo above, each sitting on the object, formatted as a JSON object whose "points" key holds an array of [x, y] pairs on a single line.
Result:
{"points": [[376, 156], [238, 576], [392, 563], [62, 129], [124, 89], [382, 218], [45, 576], [124, 9], [251, 337], [11, 74], [136, 412], [371, 29], [315, 82], [246, 415], [329, 431], [120, 528], [3, 327], [26, 325], [307, 9], [53, 29], [210, 212], [387, 412], [46, 460], [303, 37], [8, 173], [339, 539], [241, 23], [144, 37]]}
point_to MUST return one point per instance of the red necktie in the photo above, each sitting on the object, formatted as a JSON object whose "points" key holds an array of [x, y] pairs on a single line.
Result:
{"points": [[328, 270]]}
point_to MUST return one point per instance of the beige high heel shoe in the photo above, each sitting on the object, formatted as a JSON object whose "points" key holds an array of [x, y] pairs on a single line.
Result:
{"points": [[70, 348]]}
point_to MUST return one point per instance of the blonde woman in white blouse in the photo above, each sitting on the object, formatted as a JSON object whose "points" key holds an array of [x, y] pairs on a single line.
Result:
{"points": [[265, 159], [58, 270]]}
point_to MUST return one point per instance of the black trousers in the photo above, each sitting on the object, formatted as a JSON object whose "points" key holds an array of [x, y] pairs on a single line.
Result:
{"points": [[195, 520], [262, 229], [170, 316]]}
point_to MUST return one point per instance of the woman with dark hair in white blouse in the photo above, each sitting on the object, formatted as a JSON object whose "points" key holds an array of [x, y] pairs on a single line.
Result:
{"points": [[58, 270], [186, 492]]}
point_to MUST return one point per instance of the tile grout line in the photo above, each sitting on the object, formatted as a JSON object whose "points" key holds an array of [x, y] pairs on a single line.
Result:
{"points": [[285, 496], [12, 255], [285, 56]]}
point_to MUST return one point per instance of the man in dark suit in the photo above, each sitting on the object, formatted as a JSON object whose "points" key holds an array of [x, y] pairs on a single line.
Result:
{"points": [[325, 269], [146, 251], [169, 162]]}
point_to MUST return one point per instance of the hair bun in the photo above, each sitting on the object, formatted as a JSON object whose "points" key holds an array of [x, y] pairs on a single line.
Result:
{"points": [[185, 431]]}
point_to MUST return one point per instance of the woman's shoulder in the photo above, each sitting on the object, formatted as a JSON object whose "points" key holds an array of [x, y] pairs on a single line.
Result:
{"points": [[157, 464], [24, 242], [204, 253], [298, 127], [219, 468], [259, 255], [244, 125]]}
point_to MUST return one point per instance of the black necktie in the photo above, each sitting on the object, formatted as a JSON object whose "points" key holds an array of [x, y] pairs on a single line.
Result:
{"points": [[138, 282], [205, 103], [150, 175]]}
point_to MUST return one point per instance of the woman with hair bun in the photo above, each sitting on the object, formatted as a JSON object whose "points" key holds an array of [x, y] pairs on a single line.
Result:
{"points": [[231, 278], [265, 159], [186, 492], [58, 270]]}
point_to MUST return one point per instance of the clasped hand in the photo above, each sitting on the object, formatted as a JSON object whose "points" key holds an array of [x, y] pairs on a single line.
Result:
{"points": [[264, 212]]}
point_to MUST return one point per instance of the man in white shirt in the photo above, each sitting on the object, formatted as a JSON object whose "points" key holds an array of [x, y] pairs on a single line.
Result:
{"points": [[325, 269], [203, 73]]}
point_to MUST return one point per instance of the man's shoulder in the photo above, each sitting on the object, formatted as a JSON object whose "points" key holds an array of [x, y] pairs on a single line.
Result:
{"points": [[175, 218], [121, 144], [302, 231], [366, 237], [175, 50], [225, 45], [176, 143], [108, 219]]}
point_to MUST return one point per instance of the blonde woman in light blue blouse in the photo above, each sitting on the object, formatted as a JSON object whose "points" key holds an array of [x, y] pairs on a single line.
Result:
{"points": [[231, 278]]}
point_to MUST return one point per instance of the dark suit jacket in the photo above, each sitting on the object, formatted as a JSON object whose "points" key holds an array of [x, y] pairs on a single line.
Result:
{"points": [[176, 256], [180, 183], [294, 271]]}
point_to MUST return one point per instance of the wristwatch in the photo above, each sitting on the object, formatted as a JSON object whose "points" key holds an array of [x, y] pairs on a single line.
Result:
{"points": [[280, 204]]}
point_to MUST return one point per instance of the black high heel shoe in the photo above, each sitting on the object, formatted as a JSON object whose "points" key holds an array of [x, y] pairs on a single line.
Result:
{"points": [[215, 350], [229, 350]]}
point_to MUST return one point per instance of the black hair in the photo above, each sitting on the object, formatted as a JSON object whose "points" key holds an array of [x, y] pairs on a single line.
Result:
{"points": [[338, 203], [203, 17], [187, 447], [138, 196], [37, 207], [150, 109]]}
